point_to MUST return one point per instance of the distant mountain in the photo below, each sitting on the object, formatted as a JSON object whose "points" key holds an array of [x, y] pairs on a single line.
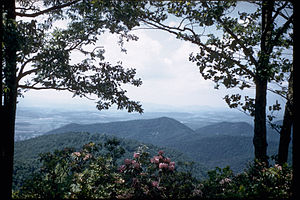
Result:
{"points": [[235, 129], [219, 144], [225, 150], [161, 131], [226, 128]]}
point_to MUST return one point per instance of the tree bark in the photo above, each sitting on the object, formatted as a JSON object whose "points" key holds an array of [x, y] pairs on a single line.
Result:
{"points": [[260, 136], [261, 82], [8, 109], [295, 142], [285, 132]]}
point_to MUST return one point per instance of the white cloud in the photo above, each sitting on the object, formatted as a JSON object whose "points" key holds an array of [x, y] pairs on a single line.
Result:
{"points": [[162, 64]]}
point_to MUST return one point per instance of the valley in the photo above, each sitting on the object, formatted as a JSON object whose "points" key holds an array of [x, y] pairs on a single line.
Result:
{"points": [[203, 138], [35, 121]]}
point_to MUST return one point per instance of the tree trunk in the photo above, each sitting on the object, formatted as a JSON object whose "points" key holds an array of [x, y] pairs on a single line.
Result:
{"points": [[8, 109], [261, 82], [295, 180], [260, 136], [285, 132]]}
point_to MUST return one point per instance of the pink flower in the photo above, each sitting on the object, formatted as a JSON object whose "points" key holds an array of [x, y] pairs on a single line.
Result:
{"points": [[171, 167], [278, 167], [163, 165], [136, 155], [155, 159], [172, 163], [127, 161], [136, 165], [167, 160], [225, 180], [87, 156], [122, 168], [161, 152], [155, 183]]}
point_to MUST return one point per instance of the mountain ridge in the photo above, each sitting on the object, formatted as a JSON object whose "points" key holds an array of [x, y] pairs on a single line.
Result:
{"points": [[219, 144], [156, 131]]}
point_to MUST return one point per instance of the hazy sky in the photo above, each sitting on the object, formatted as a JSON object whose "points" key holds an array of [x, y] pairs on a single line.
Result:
{"points": [[161, 61]]}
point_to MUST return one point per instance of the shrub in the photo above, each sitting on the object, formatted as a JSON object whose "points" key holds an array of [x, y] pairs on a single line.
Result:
{"points": [[90, 174], [257, 181]]}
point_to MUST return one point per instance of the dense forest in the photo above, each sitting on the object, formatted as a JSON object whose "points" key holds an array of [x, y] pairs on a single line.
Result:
{"points": [[231, 147], [77, 165]]}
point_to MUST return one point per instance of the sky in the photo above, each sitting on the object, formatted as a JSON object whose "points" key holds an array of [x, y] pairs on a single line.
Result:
{"points": [[161, 61]]}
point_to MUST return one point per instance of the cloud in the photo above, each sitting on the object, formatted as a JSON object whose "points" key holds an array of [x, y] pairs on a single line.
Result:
{"points": [[161, 61]]}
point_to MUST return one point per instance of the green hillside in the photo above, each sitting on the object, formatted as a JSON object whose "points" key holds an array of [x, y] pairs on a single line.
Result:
{"points": [[221, 144], [27, 152], [226, 128], [161, 131]]}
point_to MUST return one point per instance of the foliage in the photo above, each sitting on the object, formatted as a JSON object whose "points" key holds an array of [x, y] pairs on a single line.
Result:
{"points": [[224, 144], [229, 40], [44, 49], [84, 174], [26, 158], [87, 173], [258, 181]]}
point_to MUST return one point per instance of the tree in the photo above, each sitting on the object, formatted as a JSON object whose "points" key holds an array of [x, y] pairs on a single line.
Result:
{"points": [[36, 55], [236, 49], [285, 132]]}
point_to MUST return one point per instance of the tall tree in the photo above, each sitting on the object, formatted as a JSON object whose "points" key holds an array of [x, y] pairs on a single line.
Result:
{"points": [[37, 55], [9, 92], [236, 48], [286, 128]]}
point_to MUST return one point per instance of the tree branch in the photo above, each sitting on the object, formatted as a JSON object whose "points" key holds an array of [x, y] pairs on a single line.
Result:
{"points": [[283, 29], [196, 40], [41, 88], [247, 52], [21, 75], [46, 10]]}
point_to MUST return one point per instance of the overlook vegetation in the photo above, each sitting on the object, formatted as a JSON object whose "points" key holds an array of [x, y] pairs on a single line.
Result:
{"points": [[126, 169], [220, 144], [211, 147], [27, 152]]}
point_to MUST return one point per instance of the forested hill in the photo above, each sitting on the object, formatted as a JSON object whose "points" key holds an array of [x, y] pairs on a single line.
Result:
{"points": [[226, 128], [219, 144], [161, 131], [26, 155]]}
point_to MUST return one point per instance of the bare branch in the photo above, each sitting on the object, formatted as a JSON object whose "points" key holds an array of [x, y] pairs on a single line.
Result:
{"points": [[46, 10], [42, 88]]}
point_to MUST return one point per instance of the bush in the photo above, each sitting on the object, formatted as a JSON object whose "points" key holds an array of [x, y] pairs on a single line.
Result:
{"points": [[92, 173], [89, 174], [257, 181]]}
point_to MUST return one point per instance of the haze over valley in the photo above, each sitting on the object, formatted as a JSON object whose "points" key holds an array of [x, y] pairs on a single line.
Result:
{"points": [[202, 136]]}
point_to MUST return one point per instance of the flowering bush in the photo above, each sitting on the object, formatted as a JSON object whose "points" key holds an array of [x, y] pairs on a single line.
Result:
{"points": [[89, 173], [155, 177], [257, 182]]}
